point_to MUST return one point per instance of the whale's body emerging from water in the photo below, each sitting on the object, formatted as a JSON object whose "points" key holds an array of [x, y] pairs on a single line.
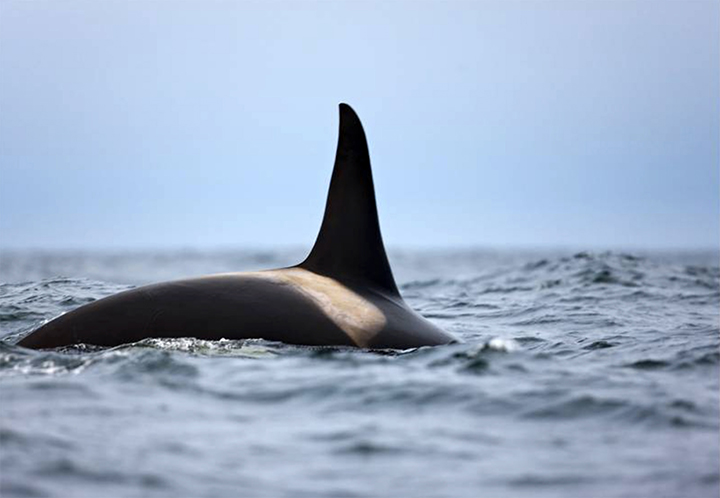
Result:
{"points": [[343, 293]]}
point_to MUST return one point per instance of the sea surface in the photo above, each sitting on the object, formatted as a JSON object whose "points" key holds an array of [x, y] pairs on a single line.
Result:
{"points": [[580, 374]]}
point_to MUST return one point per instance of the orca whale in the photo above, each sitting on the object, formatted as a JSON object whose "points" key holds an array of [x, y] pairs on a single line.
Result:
{"points": [[343, 294]]}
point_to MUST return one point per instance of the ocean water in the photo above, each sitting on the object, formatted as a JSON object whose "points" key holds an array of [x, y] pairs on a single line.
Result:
{"points": [[580, 374]]}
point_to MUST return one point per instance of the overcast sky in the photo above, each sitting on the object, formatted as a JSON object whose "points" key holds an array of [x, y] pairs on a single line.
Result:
{"points": [[133, 124]]}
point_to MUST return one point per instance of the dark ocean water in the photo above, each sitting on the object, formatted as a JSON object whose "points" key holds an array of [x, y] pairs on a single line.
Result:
{"points": [[589, 374]]}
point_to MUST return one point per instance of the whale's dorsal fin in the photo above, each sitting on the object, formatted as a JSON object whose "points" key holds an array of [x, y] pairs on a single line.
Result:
{"points": [[349, 245]]}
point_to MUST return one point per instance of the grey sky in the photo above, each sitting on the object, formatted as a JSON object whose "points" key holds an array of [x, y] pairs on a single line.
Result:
{"points": [[213, 123]]}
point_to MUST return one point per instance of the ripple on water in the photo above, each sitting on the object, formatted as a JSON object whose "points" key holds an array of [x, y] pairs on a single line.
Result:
{"points": [[552, 480], [10, 437], [649, 364], [21, 364], [599, 345], [14, 486], [69, 469], [157, 367], [366, 448], [576, 406]]}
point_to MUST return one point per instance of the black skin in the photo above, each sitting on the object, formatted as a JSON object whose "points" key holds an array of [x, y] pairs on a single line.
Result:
{"points": [[349, 249], [226, 307]]}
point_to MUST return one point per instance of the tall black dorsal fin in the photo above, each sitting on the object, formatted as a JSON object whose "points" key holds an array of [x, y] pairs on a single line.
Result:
{"points": [[349, 244]]}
